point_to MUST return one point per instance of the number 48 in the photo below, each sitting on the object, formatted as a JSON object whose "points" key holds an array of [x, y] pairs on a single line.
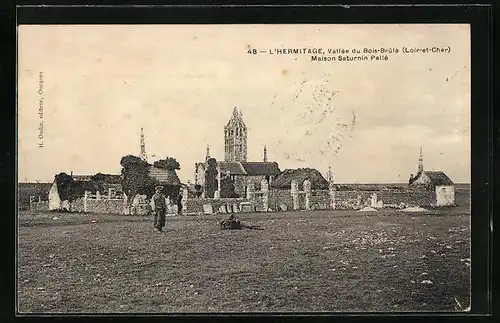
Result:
{"points": [[252, 51]]}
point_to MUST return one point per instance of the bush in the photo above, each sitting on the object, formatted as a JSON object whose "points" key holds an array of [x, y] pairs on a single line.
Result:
{"points": [[68, 189], [167, 163]]}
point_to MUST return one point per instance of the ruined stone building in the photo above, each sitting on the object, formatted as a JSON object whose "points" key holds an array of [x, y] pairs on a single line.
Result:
{"points": [[235, 165], [436, 181]]}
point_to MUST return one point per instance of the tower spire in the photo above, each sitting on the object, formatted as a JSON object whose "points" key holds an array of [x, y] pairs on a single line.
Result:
{"points": [[235, 138], [330, 175], [421, 161], [143, 146], [265, 154], [207, 157]]}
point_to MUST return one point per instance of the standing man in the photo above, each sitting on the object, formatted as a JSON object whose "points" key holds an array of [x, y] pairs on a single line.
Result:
{"points": [[159, 207], [179, 202]]}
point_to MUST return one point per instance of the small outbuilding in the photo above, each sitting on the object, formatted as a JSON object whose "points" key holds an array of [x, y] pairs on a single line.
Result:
{"points": [[437, 181]]}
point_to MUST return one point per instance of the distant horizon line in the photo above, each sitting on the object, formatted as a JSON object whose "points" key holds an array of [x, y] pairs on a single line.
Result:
{"points": [[348, 183]]}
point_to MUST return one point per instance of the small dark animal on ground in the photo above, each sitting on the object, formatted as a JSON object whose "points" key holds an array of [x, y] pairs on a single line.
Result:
{"points": [[233, 223]]}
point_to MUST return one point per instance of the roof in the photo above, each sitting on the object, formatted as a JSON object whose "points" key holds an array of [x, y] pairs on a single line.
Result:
{"points": [[233, 168], [82, 183], [261, 168], [82, 178], [247, 168], [438, 178], [164, 176], [108, 178], [284, 179]]}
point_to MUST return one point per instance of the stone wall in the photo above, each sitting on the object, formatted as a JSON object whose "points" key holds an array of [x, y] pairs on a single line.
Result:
{"points": [[42, 206], [39, 206], [320, 200], [355, 199], [89, 203], [77, 205], [195, 205], [256, 179], [278, 197], [105, 206], [240, 182], [349, 200], [423, 198]]}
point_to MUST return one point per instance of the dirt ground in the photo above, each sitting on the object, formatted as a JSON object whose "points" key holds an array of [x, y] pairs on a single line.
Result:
{"points": [[315, 261]]}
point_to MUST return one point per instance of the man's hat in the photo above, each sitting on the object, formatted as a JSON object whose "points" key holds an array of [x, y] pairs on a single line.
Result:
{"points": [[159, 188]]}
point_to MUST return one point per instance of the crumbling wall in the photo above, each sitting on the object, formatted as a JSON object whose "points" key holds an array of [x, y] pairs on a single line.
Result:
{"points": [[278, 197], [320, 200], [346, 200], [39, 206]]}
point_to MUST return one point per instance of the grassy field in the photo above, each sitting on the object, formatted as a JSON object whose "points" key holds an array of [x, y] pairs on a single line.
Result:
{"points": [[315, 261]]}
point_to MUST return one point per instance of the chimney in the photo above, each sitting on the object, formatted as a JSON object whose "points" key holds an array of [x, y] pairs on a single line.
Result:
{"points": [[265, 154], [71, 174]]}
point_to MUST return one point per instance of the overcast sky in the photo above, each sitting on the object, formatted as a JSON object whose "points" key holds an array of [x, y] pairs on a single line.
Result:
{"points": [[365, 119]]}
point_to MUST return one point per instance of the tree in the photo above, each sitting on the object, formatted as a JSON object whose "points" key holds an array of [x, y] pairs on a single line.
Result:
{"points": [[167, 163], [135, 177], [98, 181], [211, 172], [67, 187], [227, 188]]}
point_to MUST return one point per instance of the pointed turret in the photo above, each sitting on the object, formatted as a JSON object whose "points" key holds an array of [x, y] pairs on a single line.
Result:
{"points": [[207, 157], [143, 146], [421, 162], [330, 175]]}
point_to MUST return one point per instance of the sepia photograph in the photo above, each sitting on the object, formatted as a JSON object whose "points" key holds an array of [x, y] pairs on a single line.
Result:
{"points": [[243, 168]]}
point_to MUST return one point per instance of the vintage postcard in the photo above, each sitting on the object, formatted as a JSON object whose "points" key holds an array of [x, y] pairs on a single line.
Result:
{"points": [[243, 168]]}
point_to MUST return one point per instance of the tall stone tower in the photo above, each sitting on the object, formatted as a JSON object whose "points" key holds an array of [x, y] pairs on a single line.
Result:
{"points": [[235, 138], [421, 162], [143, 146]]}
